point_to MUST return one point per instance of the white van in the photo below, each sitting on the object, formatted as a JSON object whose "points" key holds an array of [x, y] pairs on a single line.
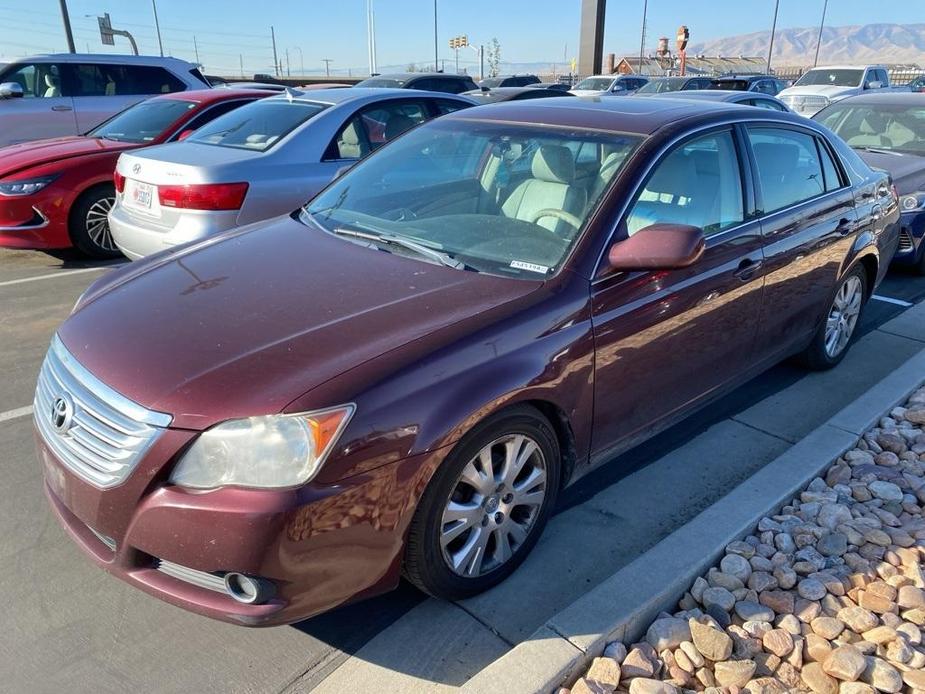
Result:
{"points": [[71, 93]]}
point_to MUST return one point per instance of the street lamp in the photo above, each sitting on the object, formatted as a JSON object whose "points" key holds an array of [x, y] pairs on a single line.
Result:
{"points": [[773, 30], [821, 26]]}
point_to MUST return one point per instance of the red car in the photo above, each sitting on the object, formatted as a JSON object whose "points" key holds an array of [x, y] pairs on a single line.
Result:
{"points": [[57, 193]]}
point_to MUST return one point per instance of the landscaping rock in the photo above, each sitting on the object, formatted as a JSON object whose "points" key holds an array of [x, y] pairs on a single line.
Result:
{"points": [[734, 673], [845, 663], [668, 633], [712, 643]]}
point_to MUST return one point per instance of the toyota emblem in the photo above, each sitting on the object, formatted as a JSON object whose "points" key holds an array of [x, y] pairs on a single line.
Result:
{"points": [[136, 168], [62, 410]]}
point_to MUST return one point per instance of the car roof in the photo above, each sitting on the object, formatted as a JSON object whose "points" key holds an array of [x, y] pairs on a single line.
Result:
{"points": [[340, 95], [502, 93], [208, 96], [413, 75], [847, 67], [640, 116], [708, 94], [886, 97], [748, 78], [108, 58]]}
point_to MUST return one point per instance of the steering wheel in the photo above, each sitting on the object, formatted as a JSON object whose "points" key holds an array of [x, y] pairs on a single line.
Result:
{"points": [[562, 215]]}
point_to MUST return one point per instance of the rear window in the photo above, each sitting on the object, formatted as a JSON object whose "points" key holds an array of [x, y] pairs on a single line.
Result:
{"points": [[142, 122], [731, 85], [257, 126], [381, 82]]}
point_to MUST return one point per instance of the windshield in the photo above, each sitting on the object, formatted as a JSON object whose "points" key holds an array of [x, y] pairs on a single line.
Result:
{"points": [[881, 126], [491, 82], [598, 84], [503, 199], [835, 78], [142, 122], [381, 82], [662, 85], [257, 126]]}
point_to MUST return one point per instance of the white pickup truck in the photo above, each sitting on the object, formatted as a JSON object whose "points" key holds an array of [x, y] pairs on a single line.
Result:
{"points": [[821, 86]]}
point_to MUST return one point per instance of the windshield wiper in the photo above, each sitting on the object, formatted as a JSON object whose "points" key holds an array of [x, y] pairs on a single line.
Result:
{"points": [[406, 243]]}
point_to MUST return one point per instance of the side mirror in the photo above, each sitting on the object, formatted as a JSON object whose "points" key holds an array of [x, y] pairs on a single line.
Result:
{"points": [[874, 85], [185, 134], [11, 90], [658, 247]]}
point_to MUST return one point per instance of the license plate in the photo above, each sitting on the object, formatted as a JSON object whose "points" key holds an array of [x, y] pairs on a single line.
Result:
{"points": [[140, 195]]}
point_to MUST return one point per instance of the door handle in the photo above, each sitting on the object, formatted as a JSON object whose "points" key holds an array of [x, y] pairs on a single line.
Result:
{"points": [[61, 108], [747, 268]]}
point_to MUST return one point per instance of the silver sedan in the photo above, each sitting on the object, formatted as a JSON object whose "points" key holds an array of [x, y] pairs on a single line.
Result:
{"points": [[259, 161]]}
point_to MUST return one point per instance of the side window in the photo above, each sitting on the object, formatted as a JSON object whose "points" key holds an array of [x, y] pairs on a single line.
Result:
{"points": [[40, 80], [768, 104], [212, 113], [426, 85], [788, 166], [829, 170], [100, 79], [699, 183], [148, 79], [444, 106], [372, 127]]}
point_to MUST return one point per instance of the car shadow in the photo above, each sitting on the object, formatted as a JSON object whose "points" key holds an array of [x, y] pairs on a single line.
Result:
{"points": [[72, 259]]}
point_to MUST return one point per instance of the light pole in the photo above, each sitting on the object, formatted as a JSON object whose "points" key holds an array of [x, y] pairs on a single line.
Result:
{"points": [[436, 58], [301, 59], [642, 39], [67, 27], [825, 7], [157, 26], [773, 31], [371, 36]]}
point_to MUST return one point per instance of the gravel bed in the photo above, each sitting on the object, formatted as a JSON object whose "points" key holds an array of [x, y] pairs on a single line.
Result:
{"points": [[827, 596]]}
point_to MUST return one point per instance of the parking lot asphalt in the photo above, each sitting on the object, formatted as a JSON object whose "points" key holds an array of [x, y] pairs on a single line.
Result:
{"points": [[68, 625]]}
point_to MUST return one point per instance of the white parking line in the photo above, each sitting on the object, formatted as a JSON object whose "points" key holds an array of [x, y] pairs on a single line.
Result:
{"points": [[15, 414], [59, 274], [891, 300]]}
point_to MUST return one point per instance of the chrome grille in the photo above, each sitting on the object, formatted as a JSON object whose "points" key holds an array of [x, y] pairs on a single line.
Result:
{"points": [[99, 434], [806, 103], [905, 241], [203, 579]]}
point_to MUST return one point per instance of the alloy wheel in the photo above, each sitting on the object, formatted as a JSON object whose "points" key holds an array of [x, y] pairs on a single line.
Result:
{"points": [[97, 224], [843, 316], [493, 506]]}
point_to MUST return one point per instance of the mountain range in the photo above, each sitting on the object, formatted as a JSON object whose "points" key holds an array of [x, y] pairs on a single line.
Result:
{"points": [[884, 43]]}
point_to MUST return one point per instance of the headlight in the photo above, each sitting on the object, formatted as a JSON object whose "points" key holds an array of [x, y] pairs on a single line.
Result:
{"points": [[913, 202], [25, 186], [263, 452]]}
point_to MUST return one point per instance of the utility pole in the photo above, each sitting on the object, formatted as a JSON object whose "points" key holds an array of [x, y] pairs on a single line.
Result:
{"points": [[275, 58], [436, 53], [773, 31], [327, 66], [288, 71], [67, 27], [157, 26], [642, 39], [196, 48], [241, 63], [821, 26]]}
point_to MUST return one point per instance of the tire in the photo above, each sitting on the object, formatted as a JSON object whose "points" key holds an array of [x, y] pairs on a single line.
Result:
{"points": [[88, 226], [830, 343], [491, 533]]}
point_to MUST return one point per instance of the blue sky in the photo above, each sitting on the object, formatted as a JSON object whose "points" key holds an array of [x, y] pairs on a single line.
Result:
{"points": [[229, 31]]}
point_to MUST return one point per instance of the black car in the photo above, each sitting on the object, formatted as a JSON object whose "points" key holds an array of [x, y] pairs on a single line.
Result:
{"points": [[730, 97], [888, 130], [509, 81], [490, 96], [426, 81], [658, 85], [763, 84], [554, 86]]}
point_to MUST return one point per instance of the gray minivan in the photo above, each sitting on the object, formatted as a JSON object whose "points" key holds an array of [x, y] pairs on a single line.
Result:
{"points": [[71, 93]]}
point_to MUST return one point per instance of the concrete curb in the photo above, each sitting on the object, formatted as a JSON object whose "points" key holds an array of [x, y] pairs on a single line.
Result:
{"points": [[621, 607]]}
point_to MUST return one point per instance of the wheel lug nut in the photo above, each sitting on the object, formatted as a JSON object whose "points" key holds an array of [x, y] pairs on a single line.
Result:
{"points": [[507, 498], [499, 517]]}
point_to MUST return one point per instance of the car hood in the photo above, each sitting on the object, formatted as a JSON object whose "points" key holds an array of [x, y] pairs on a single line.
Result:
{"points": [[826, 90], [26, 155], [907, 170], [246, 322]]}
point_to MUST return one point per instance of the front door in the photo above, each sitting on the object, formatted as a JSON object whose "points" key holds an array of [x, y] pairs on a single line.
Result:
{"points": [[42, 112], [666, 340]]}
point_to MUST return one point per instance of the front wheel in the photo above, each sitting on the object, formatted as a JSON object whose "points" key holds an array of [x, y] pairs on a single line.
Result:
{"points": [[89, 223], [486, 506], [831, 342]]}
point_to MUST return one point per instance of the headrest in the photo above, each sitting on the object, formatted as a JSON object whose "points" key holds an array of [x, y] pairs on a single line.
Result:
{"points": [[350, 136], [51, 80], [554, 163], [397, 124]]}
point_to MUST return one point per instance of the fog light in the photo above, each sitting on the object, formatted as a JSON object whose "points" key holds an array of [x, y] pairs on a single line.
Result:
{"points": [[249, 590]]}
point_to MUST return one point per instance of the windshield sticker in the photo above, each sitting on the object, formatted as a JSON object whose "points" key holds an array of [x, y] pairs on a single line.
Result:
{"points": [[531, 267]]}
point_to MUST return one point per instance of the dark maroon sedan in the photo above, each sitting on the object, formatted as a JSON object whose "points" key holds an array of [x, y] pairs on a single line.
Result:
{"points": [[401, 377]]}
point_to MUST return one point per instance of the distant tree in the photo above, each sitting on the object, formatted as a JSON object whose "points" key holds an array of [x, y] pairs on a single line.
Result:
{"points": [[412, 67], [494, 57]]}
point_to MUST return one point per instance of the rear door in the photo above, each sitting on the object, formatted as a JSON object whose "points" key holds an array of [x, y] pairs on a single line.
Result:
{"points": [[45, 109], [665, 340], [808, 221]]}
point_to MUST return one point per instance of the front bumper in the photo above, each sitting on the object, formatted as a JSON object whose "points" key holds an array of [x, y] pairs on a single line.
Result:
{"points": [[321, 545], [32, 222], [912, 238]]}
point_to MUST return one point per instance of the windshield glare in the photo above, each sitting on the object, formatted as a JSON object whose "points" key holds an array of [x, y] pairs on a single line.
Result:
{"points": [[598, 84], [142, 122], [381, 82], [504, 199], [835, 78], [257, 126], [899, 128], [662, 85]]}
